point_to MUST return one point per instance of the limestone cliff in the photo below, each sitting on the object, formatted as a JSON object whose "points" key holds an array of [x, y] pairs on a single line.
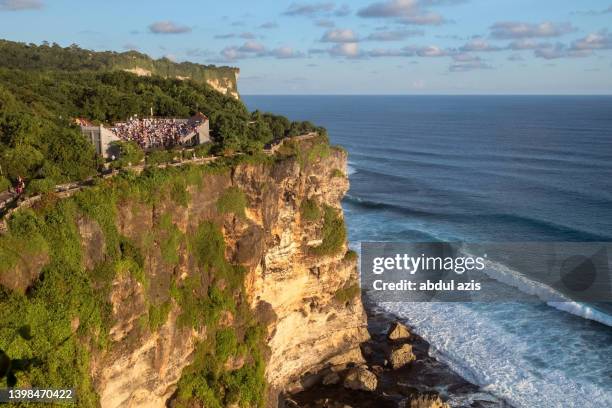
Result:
{"points": [[280, 224], [224, 80], [307, 325]]}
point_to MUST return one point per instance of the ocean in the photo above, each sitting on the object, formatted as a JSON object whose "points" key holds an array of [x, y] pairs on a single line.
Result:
{"points": [[484, 169]]}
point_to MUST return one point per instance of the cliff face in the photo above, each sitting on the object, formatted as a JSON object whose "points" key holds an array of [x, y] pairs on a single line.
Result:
{"points": [[224, 80], [313, 324], [298, 293]]}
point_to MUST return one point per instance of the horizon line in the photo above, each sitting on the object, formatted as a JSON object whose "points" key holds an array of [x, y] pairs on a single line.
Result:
{"points": [[432, 94]]}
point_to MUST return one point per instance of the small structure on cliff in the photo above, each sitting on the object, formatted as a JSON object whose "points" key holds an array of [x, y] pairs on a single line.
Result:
{"points": [[148, 133]]}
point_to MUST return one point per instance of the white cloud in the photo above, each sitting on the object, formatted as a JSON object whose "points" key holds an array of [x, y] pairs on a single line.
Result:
{"points": [[465, 57], [254, 49], [348, 50], [269, 25], [511, 29], [308, 10], [479, 45], [432, 51], [17, 5], [468, 66], [428, 18], [285, 53], [245, 35], [595, 12], [527, 44], [410, 12], [393, 35], [601, 40], [168, 27], [340, 35], [382, 52], [560, 50], [393, 8], [252, 46]]}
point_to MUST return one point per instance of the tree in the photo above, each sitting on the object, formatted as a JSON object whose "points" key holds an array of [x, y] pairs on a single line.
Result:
{"points": [[130, 154]]}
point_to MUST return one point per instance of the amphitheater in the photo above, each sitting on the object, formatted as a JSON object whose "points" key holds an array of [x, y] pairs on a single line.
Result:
{"points": [[149, 133]]}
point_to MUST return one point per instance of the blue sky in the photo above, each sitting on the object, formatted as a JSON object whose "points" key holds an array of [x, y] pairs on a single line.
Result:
{"points": [[349, 47]]}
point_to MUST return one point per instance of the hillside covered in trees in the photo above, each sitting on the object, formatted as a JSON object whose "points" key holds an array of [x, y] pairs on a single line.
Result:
{"points": [[73, 58], [43, 88]]}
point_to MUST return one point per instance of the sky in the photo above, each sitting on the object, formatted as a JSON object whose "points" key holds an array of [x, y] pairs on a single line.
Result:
{"points": [[348, 47]]}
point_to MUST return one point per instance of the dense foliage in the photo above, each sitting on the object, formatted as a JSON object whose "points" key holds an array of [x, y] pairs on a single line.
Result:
{"points": [[49, 333], [42, 89], [73, 58], [333, 233]]}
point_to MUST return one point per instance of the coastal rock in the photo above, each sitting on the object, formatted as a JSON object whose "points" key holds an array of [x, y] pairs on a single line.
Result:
{"points": [[398, 331], [331, 378], [424, 401], [289, 403], [401, 356], [360, 378]]}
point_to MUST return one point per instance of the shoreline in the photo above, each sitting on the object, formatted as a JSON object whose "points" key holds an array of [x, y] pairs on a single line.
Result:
{"points": [[424, 378]]}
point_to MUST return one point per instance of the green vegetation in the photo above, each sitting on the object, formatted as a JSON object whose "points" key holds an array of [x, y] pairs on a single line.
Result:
{"points": [[130, 154], [350, 256], [5, 184], [43, 88], [319, 151], [208, 382], [171, 238], [158, 315], [307, 152], [232, 201], [161, 156], [334, 233], [72, 58], [40, 186], [50, 331], [347, 293], [310, 210], [38, 331], [337, 173]]}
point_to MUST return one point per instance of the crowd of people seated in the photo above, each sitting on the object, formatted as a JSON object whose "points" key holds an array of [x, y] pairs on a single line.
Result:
{"points": [[155, 133]]}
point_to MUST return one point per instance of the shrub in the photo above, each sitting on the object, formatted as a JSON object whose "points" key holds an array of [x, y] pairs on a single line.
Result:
{"points": [[320, 150], [232, 201], [40, 186], [350, 255], [347, 293], [170, 239], [203, 150], [225, 344], [337, 173], [5, 184], [310, 210], [160, 157], [179, 193], [334, 233], [130, 154], [158, 315]]}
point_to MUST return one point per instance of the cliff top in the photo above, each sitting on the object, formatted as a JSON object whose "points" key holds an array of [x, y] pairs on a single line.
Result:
{"points": [[73, 58]]}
